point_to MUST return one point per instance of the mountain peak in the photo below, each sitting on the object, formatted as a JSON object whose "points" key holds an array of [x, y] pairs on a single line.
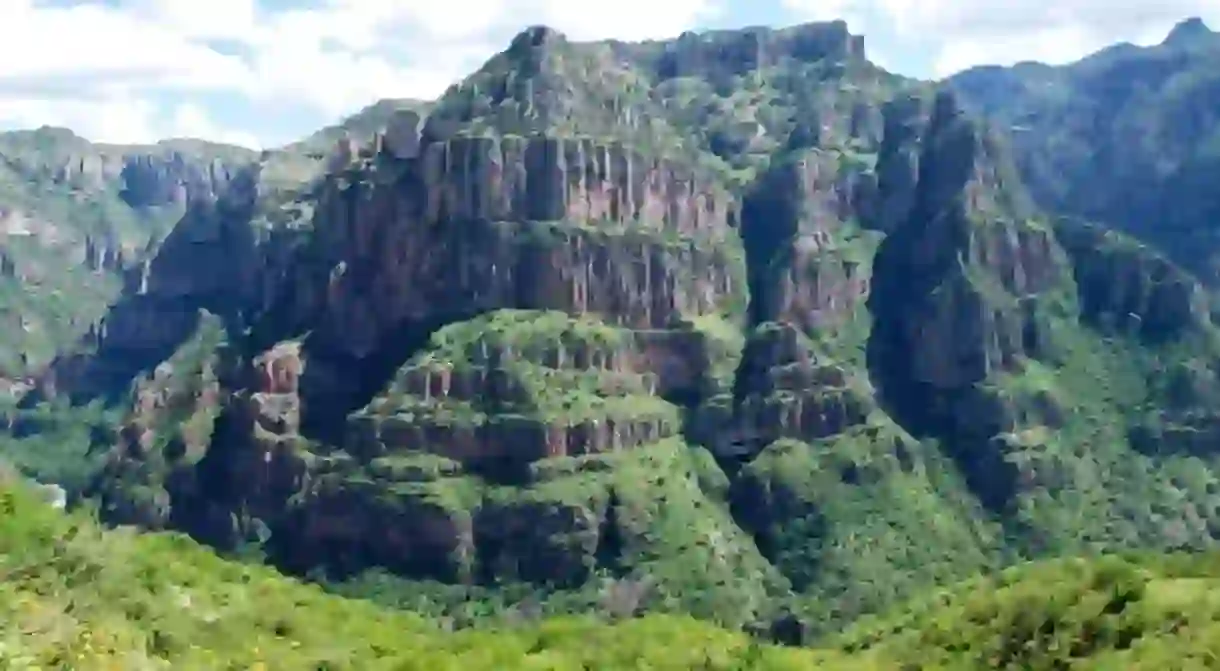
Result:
{"points": [[537, 37], [1188, 32]]}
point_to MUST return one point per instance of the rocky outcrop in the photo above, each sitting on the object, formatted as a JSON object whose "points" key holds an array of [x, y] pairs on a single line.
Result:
{"points": [[1125, 286], [169, 173], [784, 391], [477, 224], [170, 424], [533, 393], [952, 278], [503, 439], [738, 52], [958, 296], [810, 268], [409, 235], [467, 226], [905, 121], [410, 535], [172, 178], [808, 261]]}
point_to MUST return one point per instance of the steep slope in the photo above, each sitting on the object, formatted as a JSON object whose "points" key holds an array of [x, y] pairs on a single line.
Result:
{"points": [[1129, 137], [86, 220], [469, 226], [1031, 348], [738, 323]]}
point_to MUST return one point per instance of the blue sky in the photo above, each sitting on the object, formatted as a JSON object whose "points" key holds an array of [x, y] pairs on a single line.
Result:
{"points": [[265, 72]]}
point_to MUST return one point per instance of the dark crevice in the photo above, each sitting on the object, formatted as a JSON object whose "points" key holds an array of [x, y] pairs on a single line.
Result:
{"points": [[335, 384], [768, 223], [610, 544]]}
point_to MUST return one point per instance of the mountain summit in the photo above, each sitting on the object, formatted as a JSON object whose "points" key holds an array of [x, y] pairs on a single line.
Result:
{"points": [[1189, 32]]}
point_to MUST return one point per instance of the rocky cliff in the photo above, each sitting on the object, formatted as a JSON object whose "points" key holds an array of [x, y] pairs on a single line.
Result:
{"points": [[601, 314]]}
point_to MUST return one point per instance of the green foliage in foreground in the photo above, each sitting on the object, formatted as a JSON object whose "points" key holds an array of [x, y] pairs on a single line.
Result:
{"points": [[73, 596], [1111, 612]]}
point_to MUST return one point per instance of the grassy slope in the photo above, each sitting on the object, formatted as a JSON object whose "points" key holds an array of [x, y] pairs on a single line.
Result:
{"points": [[74, 596]]}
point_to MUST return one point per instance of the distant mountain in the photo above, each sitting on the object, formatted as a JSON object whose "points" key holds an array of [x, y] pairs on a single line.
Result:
{"points": [[1128, 137], [737, 321]]}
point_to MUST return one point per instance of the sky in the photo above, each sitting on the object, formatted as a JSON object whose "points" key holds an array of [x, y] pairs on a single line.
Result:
{"points": [[261, 73]]}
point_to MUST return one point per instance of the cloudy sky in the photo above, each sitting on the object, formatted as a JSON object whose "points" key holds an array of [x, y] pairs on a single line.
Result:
{"points": [[263, 72]]}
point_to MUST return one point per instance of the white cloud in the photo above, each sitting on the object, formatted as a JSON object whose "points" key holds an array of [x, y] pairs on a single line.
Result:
{"points": [[121, 120], [962, 34], [212, 19], [105, 45], [113, 120], [189, 120], [624, 19], [105, 69], [124, 70]]}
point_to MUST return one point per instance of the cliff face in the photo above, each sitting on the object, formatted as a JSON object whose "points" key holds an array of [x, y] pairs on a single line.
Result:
{"points": [[958, 279], [827, 348], [479, 224]]}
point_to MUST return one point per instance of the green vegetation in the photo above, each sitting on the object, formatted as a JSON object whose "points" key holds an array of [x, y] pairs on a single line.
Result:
{"points": [[1142, 612], [722, 116], [639, 519], [74, 596], [863, 520], [77, 597], [55, 442], [554, 367]]}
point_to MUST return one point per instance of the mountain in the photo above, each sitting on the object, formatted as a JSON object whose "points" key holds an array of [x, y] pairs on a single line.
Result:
{"points": [[93, 209], [1128, 137], [75, 218], [738, 323]]}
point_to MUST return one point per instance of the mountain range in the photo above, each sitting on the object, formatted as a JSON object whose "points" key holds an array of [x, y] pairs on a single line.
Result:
{"points": [[737, 325]]}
